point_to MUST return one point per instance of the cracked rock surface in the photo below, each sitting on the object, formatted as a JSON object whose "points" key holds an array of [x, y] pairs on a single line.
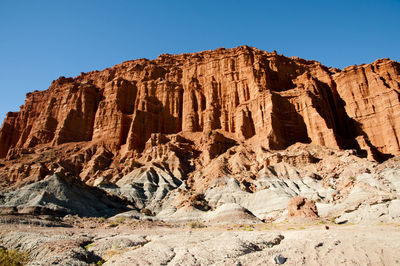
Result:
{"points": [[238, 244]]}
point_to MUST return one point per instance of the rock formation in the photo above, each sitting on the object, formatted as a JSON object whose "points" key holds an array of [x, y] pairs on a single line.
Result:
{"points": [[303, 208], [243, 91], [60, 195], [184, 134], [371, 96]]}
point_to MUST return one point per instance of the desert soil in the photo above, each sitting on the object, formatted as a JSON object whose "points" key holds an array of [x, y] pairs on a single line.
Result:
{"points": [[129, 242]]}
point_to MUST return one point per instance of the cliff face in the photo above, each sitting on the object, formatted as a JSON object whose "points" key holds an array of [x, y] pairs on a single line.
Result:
{"points": [[194, 132], [371, 95], [248, 94]]}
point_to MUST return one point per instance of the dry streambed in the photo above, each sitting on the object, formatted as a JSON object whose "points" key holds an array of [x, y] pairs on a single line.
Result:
{"points": [[125, 242]]}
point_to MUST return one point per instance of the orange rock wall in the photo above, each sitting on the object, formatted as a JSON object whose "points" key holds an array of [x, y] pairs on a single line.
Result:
{"points": [[249, 93], [371, 94]]}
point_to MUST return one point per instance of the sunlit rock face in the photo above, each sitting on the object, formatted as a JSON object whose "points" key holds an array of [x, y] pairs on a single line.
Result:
{"points": [[244, 91], [178, 108], [232, 136]]}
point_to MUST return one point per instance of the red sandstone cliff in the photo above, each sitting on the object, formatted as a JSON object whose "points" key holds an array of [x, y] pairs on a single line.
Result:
{"points": [[244, 93]]}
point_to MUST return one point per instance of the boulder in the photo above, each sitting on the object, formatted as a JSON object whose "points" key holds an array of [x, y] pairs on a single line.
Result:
{"points": [[300, 207]]}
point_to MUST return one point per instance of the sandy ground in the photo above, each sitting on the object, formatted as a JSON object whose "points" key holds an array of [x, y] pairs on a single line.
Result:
{"points": [[146, 243]]}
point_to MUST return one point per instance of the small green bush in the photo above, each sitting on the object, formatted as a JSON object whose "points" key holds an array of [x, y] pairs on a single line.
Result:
{"points": [[196, 225], [13, 257], [117, 221], [88, 246], [113, 224], [120, 220]]}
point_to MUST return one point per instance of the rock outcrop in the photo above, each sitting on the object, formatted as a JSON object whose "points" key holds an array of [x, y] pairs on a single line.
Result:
{"points": [[243, 91], [182, 135], [59, 195], [371, 95], [300, 207]]}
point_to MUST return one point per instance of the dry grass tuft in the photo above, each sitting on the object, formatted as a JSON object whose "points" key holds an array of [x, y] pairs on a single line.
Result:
{"points": [[196, 225], [13, 257]]}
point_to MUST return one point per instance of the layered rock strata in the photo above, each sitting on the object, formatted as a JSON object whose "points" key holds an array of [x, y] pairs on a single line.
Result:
{"points": [[184, 135], [243, 91]]}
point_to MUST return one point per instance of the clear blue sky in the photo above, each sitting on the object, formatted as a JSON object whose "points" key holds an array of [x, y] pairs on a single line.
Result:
{"points": [[41, 40]]}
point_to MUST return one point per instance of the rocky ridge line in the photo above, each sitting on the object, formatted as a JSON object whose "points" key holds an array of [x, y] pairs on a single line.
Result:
{"points": [[251, 94]]}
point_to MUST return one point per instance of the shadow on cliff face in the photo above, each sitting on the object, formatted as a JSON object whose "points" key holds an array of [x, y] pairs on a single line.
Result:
{"points": [[287, 123], [351, 143], [378, 155], [346, 129], [330, 107], [279, 73], [155, 118], [289, 126]]}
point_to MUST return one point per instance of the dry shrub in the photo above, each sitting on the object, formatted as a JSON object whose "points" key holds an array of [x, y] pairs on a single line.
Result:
{"points": [[13, 257], [196, 225]]}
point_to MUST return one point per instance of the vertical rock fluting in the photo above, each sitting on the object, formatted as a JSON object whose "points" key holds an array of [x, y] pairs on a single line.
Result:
{"points": [[248, 93], [63, 113], [114, 114], [371, 94]]}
